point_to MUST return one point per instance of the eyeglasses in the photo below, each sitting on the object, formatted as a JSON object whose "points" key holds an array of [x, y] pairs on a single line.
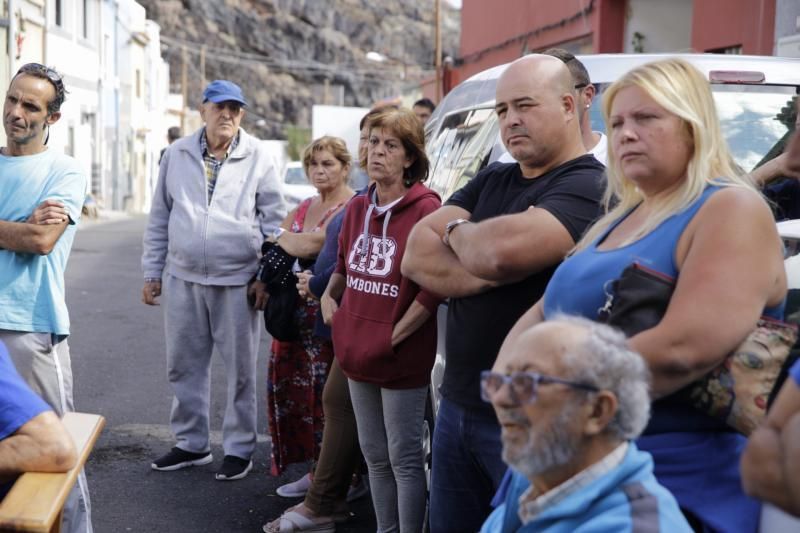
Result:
{"points": [[523, 385], [581, 85]]}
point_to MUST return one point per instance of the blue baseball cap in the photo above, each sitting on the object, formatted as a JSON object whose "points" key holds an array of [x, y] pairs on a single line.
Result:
{"points": [[223, 91]]}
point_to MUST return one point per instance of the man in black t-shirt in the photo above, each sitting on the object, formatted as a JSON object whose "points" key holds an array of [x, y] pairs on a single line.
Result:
{"points": [[492, 249]]}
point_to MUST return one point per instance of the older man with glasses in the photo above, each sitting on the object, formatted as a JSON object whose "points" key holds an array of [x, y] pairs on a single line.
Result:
{"points": [[34, 246], [570, 396]]}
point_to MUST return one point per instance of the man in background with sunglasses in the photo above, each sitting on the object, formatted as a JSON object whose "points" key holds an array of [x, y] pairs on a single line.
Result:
{"points": [[596, 142], [34, 247], [570, 397]]}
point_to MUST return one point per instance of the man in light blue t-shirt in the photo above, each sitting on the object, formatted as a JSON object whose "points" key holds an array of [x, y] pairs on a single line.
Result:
{"points": [[34, 247]]}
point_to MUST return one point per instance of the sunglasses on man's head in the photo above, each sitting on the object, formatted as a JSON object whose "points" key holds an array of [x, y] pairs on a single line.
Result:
{"points": [[37, 68]]}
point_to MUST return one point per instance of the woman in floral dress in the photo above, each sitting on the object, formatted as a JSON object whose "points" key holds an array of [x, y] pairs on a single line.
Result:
{"points": [[298, 368]]}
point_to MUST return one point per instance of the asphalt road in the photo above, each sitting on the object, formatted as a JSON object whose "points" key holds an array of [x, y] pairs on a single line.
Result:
{"points": [[117, 347]]}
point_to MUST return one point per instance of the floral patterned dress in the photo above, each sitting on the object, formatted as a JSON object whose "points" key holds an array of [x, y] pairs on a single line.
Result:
{"points": [[296, 377]]}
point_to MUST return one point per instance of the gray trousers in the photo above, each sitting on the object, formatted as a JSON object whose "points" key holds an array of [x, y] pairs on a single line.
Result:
{"points": [[196, 319], [390, 433], [42, 359]]}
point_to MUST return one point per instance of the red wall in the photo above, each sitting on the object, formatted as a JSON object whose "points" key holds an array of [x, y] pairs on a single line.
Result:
{"points": [[609, 26], [492, 31], [485, 25], [724, 23]]}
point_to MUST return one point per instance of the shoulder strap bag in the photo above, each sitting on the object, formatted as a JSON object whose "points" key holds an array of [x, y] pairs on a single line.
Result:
{"points": [[738, 390], [275, 271]]}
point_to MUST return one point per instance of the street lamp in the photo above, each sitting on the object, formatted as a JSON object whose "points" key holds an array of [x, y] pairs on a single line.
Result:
{"points": [[375, 56]]}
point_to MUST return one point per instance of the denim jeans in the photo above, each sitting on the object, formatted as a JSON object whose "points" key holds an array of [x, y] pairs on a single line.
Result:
{"points": [[467, 468]]}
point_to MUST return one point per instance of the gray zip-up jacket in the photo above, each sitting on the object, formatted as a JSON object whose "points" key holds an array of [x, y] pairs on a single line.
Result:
{"points": [[216, 243]]}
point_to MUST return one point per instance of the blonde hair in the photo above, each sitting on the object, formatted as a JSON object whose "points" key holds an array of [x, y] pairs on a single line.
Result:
{"points": [[682, 90], [334, 145]]}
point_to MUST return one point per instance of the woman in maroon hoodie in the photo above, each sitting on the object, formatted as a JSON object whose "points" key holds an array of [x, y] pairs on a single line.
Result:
{"points": [[384, 328]]}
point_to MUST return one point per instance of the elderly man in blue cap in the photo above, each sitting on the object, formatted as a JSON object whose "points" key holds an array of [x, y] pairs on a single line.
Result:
{"points": [[218, 196]]}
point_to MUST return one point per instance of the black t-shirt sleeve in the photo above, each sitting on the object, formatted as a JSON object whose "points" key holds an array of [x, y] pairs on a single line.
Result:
{"points": [[467, 196], [575, 198], [784, 195]]}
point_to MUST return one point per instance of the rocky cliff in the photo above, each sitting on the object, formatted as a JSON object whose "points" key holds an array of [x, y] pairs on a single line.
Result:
{"points": [[291, 54]]}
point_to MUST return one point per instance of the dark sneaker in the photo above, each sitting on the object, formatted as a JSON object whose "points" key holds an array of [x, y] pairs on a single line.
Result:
{"points": [[176, 459], [358, 489], [234, 468]]}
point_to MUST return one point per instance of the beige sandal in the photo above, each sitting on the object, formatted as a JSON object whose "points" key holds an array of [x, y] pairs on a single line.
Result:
{"points": [[293, 522]]}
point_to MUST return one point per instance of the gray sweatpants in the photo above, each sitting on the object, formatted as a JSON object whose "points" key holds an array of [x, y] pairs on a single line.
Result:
{"points": [[390, 434], [197, 318], [42, 359]]}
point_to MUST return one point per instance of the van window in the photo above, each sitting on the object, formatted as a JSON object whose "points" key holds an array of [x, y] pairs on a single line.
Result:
{"points": [[756, 119], [460, 148]]}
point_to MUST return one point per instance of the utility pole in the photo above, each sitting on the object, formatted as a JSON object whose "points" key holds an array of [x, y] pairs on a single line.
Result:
{"points": [[203, 65], [437, 59], [184, 83], [13, 28]]}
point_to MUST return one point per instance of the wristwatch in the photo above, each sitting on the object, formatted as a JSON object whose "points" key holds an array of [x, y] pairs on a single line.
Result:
{"points": [[449, 227], [277, 233]]}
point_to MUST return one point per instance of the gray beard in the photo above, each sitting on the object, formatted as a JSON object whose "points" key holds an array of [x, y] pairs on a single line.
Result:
{"points": [[545, 449]]}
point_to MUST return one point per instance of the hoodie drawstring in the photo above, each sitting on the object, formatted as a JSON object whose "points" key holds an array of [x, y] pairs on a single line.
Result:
{"points": [[384, 246], [365, 239]]}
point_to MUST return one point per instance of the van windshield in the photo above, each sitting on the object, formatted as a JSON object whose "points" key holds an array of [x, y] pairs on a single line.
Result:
{"points": [[756, 120]]}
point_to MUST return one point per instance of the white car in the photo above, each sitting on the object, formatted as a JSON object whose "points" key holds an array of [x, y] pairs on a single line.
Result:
{"points": [[296, 187]]}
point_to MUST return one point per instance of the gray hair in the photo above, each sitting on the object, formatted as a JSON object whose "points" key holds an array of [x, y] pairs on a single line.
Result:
{"points": [[605, 360]]}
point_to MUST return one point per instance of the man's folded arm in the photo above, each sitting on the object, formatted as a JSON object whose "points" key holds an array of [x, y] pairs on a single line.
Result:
{"points": [[22, 237], [433, 265], [510, 247]]}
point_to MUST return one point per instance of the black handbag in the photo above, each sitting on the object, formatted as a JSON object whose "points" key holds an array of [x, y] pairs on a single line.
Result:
{"points": [[276, 272], [738, 390]]}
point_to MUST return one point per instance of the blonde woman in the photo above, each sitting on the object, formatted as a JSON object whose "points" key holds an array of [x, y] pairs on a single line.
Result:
{"points": [[682, 209], [299, 367]]}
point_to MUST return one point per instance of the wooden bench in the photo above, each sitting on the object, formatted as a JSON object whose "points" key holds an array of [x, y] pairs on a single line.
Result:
{"points": [[36, 500]]}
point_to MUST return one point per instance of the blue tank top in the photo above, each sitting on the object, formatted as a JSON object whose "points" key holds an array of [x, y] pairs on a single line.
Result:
{"points": [[591, 270]]}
